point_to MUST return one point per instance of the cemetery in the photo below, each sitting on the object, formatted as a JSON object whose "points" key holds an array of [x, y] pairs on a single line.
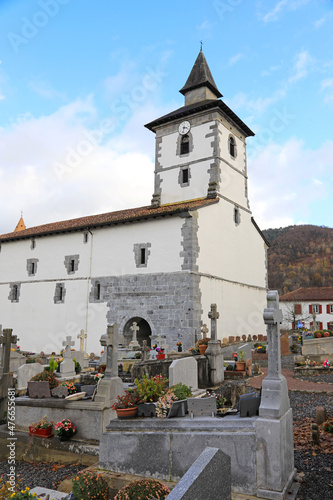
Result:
{"points": [[180, 426]]}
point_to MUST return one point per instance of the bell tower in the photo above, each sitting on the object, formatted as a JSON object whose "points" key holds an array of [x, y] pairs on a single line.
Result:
{"points": [[200, 149]]}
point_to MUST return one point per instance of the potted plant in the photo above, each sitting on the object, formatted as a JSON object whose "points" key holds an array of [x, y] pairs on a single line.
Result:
{"points": [[180, 346], [89, 484], [240, 363], [143, 488], [151, 388], [70, 386], [194, 350], [160, 353], [202, 344], [43, 428], [127, 406], [65, 429]]}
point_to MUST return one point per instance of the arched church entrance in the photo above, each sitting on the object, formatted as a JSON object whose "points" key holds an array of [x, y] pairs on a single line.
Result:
{"points": [[143, 333]]}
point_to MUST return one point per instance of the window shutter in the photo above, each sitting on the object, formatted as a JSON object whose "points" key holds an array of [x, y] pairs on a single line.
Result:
{"points": [[320, 325], [310, 309], [320, 309], [328, 308], [328, 325]]}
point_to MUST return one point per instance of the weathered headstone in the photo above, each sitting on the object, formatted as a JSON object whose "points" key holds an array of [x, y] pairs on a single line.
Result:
{"points": [[321, 415], [209, 477], [134, 344], [111, 385], [214, 351], [145, 350], [59, 392], [184, 370], [6, 340], [39, 389], [83, 340], [25, 373], [67, 366], [204, 330], [274, 427]]}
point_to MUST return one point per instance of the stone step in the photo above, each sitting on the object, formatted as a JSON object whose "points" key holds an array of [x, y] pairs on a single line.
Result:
{"points": [[47, 494]]}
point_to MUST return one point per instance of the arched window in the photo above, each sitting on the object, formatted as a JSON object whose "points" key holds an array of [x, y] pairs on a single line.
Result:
{"points": [[232, 147], [185, 145]]}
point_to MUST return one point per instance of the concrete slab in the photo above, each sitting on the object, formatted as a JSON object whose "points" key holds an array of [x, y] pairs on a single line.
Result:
{"points": [[53, 494]]}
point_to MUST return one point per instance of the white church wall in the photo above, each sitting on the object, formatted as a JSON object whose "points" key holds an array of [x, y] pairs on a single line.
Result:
{"points": [[173, 192], [226, 130], [113, 253], [42, 325], [232, 185], [240, 307], [234, 252]]}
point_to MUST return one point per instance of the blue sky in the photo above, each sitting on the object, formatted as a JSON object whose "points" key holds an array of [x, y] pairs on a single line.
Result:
{"points": [[79, 79]]}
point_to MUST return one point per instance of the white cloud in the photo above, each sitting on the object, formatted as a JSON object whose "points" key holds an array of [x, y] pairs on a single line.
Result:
{"points": [[319, 22], [44, 89], [301, 68], [234, 59], [327, 87], [286, 182], [281, 6]]}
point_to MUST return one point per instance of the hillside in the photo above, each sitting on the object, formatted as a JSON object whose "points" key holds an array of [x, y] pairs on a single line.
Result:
{"points": [[299, 256]]}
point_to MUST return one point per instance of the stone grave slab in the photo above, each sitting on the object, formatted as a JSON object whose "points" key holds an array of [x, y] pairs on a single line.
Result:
{"points": [[208, 477], [184, 370], [39, 390], [178, 409], [199, 407], [59, 392], [47, 493], [25, 373], [89, 390]]}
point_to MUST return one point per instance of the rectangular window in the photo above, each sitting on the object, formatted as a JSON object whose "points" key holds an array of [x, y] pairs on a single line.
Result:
{"points": [[315, 308], [143, 256], [185, 175], [329, 308], [60, 292], [72, 266], [71, 263]]}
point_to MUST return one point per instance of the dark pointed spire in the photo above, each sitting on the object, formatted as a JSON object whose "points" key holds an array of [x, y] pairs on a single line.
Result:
{"points": [[200, 76]]}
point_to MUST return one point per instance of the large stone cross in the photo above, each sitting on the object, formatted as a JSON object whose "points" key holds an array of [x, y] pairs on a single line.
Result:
{"points": [[204, 329], [82, 336], [273, 318], [214, 316], [6, 339], [110, 342], [134, 344], [68, 343]]}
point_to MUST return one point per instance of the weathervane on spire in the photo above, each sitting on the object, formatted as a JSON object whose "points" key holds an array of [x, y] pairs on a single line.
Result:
{"points": [[201, 43]]}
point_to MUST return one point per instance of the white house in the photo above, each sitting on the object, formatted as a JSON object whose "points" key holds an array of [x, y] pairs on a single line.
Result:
{"points": [[161, 265], [307, 306]]}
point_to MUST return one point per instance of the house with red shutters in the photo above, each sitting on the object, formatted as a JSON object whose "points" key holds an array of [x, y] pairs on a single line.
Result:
{"points": [[313, 307]]}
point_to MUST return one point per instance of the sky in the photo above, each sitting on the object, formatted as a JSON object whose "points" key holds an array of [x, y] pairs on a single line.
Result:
{"points": [[79, 79]]}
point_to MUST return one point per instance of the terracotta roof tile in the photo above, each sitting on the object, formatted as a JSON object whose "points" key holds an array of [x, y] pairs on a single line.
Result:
{"points": [[121, 216], [309, 294]]}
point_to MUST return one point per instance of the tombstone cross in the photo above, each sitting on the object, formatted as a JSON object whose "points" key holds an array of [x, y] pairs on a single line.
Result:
{"points": [[82, 336], [272, 318], [134, 329], [67, 344], [214, 316], [145, 350], [6, 339], [204, 329], [110, 342]]}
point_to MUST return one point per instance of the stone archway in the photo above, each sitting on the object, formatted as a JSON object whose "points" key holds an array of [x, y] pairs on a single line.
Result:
{"points": [[144, 332]]}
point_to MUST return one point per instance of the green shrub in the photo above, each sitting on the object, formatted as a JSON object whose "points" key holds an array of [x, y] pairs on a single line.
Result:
{"points": [[143, 489], [90, 485], [77, 366], [328, 426], [46, 376], [150, 389], [181, 391]]}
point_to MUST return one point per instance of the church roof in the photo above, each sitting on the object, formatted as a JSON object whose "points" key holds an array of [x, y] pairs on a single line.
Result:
{"points": [[110, 218], [308, 294], [20, 226], [201, 106], [200, 76]]}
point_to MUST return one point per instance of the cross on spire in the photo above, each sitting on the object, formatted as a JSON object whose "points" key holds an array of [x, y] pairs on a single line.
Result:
{"points": [[201, 44]]}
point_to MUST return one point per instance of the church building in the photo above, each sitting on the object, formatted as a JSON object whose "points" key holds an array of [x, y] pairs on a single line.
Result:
{"points": [[161, 265]]}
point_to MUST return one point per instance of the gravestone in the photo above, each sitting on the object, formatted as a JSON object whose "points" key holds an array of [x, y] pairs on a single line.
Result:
{"points": [[274, 427], [59, 392], [6, 339], [145, 351], [39, 389], [153, 354], [209, 477], [184, 370], [204, 330], [83, 340], [83, 356], [111, 385], [134, 344], [199, 407], [25, 373], [214, 351], [67, 366]]}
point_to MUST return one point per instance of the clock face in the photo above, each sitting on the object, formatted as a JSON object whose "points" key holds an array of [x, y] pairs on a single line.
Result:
{"points": [[184, 127]]}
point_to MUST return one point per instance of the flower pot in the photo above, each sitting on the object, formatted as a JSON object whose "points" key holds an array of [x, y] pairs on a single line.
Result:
{"points": [[202, 348], [160, 356], [33, 431], [326, 334], [180, 348], [124, 413], [318, 335], [240, 366]]}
